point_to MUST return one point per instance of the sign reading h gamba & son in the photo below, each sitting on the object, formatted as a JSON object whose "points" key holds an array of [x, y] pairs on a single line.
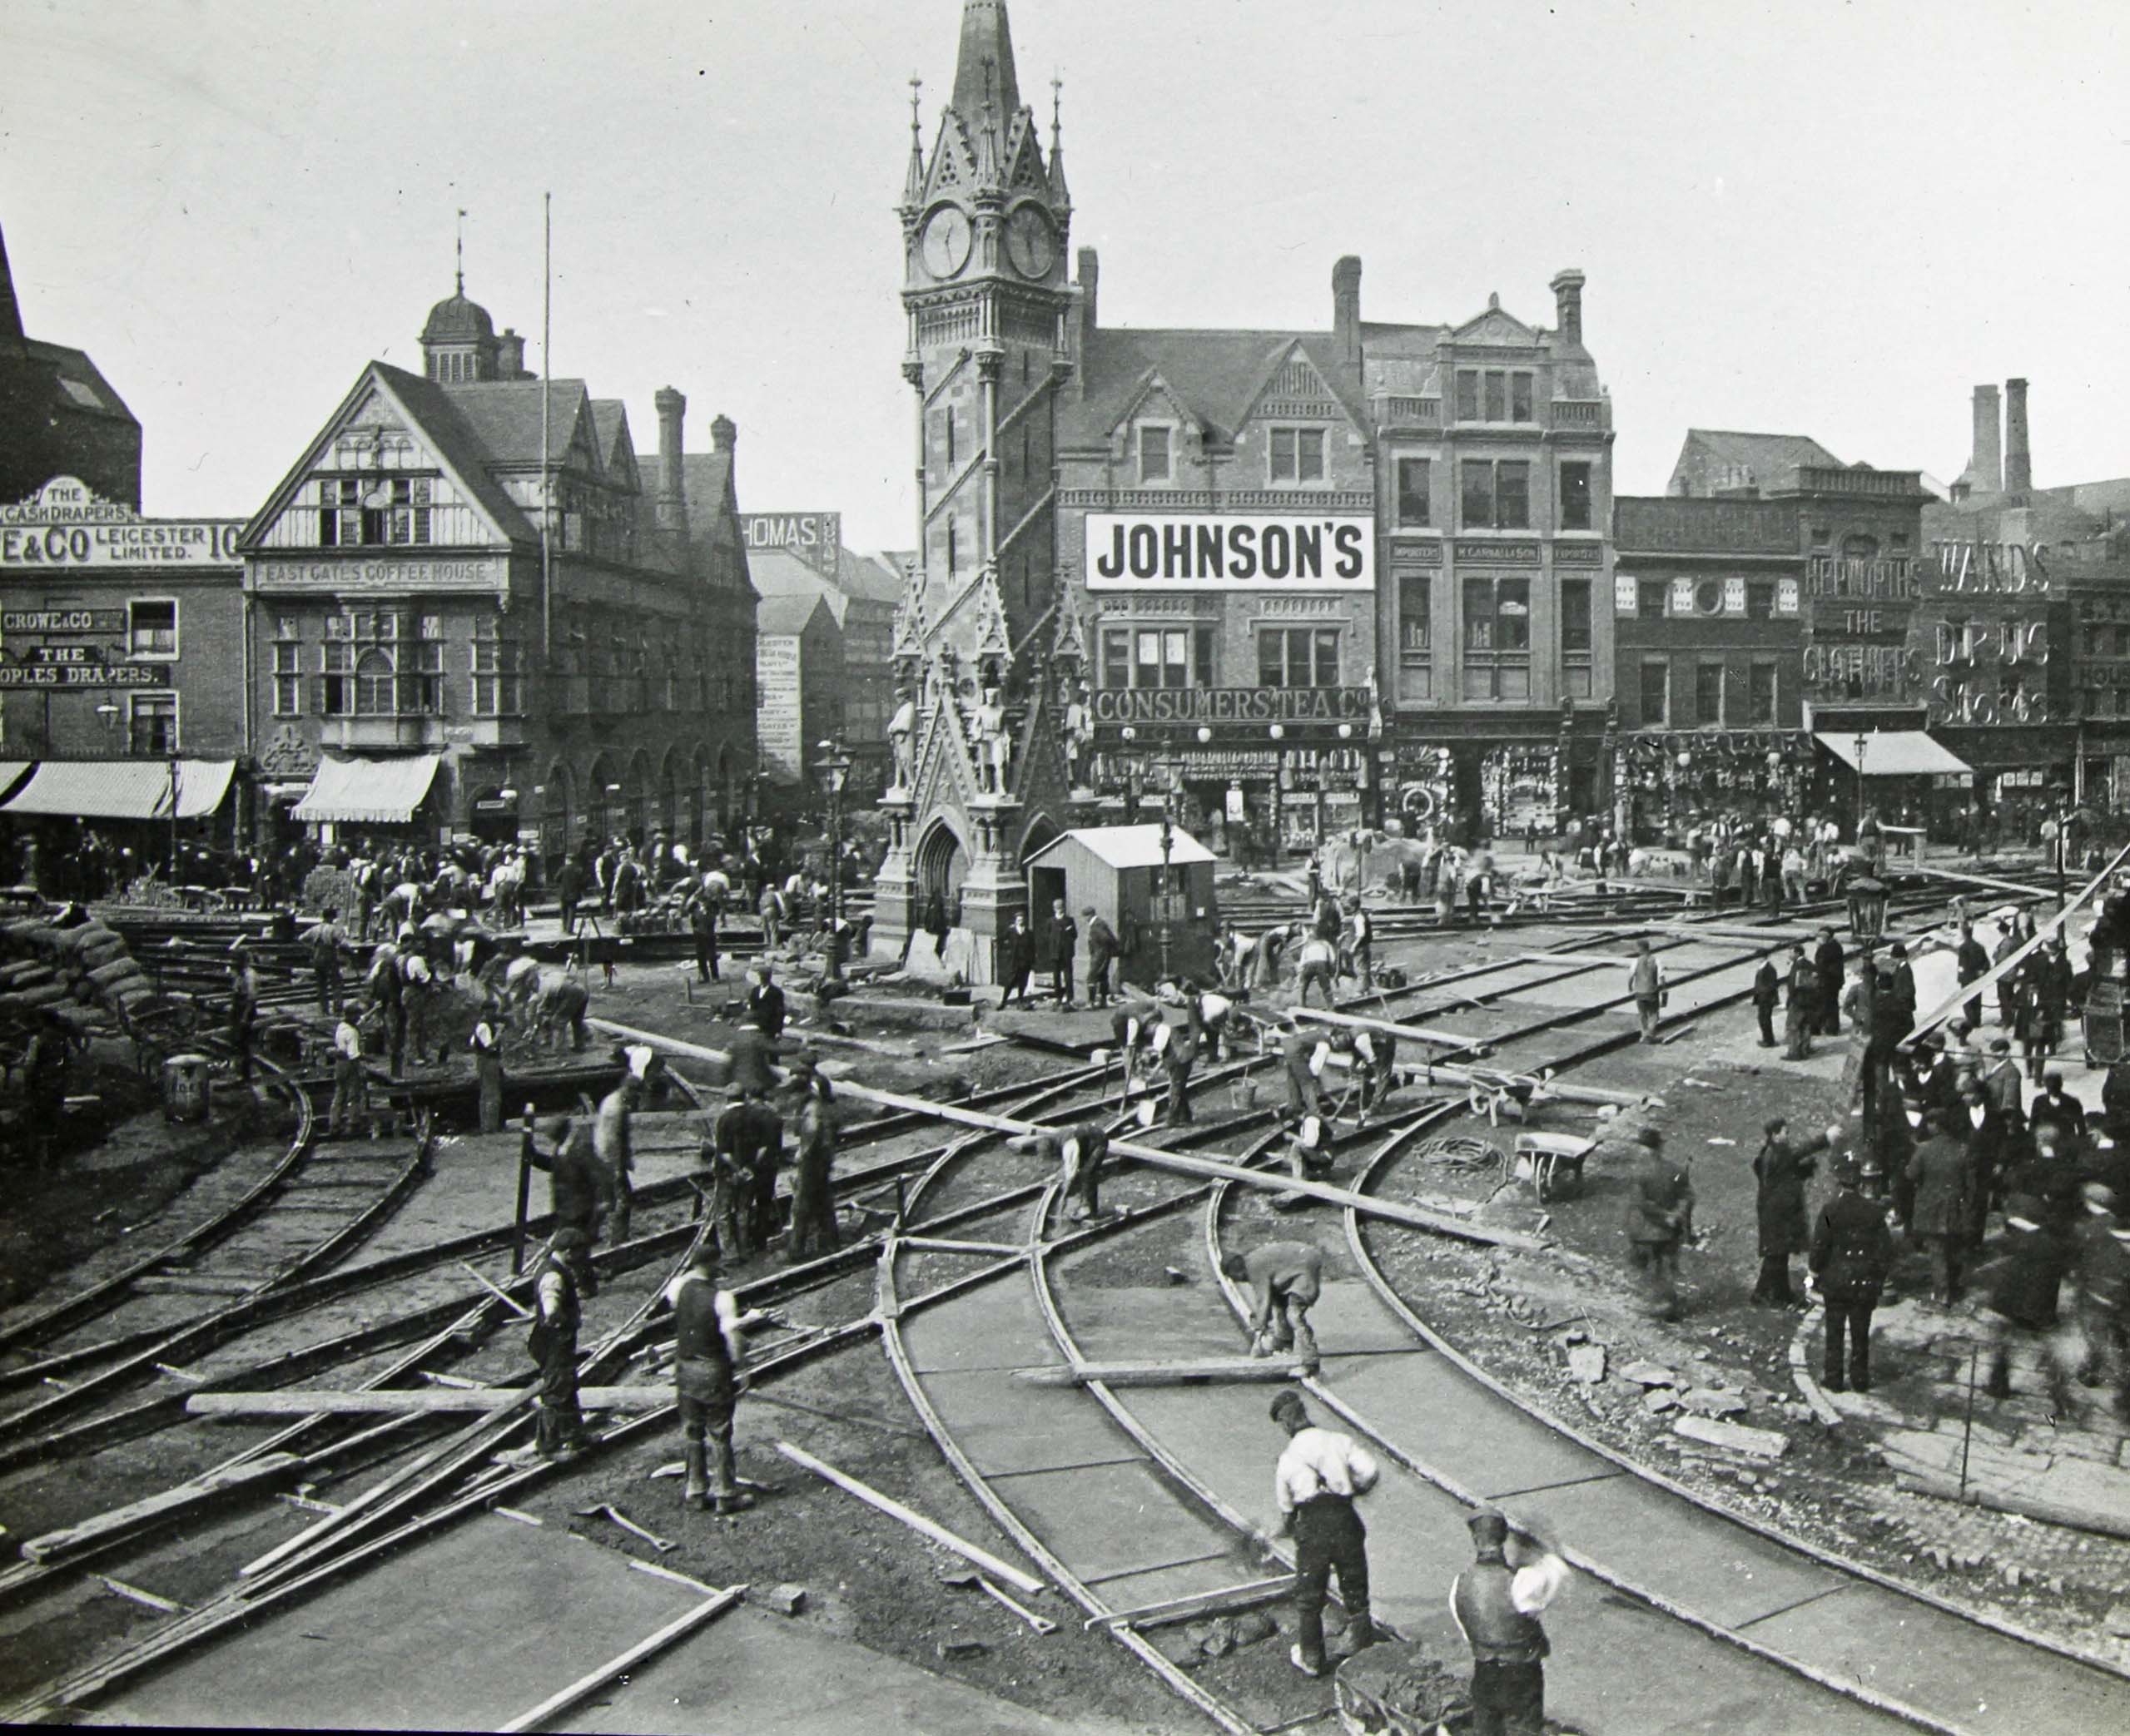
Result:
{"points": [[1229, 552]]}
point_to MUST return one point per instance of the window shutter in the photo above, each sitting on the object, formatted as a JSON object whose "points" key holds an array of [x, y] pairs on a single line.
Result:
{"points": [[1682, 597], [1785, 596], [318, 695], [1733, 597], [1627, 594]]}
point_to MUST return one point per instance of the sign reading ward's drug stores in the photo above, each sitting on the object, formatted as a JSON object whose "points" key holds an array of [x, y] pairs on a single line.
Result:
{"points": [[1229, 552]]}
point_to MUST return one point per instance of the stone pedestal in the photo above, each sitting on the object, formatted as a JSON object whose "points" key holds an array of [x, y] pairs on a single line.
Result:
{"points": [[895, 892]]}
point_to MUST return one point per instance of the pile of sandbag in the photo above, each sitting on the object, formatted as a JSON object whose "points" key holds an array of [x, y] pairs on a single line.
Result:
{"points": [[70, 970]]}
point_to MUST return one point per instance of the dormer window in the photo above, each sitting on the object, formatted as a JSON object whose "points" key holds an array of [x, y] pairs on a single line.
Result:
{"points": [[1155, 464]]}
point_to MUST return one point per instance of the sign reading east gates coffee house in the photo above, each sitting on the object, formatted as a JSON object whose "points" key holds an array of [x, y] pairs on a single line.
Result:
{"points": [[1229, 552], [1231, 704], [485, 573], [815, 537], [67, 524]]}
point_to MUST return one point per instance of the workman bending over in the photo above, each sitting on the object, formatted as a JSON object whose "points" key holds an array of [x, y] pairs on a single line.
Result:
{"points": [[1285, 1280], [707, 1346], [1319, 1474], [1080, 1153]]}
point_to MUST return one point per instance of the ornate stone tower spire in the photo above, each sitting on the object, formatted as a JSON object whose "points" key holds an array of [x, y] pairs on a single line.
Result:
{"points": [[982, 776]]}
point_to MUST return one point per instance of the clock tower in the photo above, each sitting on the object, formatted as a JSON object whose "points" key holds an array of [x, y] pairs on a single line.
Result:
{"points": [[988, 656]]}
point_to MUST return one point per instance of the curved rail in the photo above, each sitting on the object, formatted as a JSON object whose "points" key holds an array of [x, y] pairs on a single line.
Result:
{"points": [[1849, 1567]]}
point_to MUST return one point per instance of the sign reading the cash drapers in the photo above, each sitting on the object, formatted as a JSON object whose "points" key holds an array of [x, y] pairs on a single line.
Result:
{"points": [[815, 537], [1231, 704], [68, 523], [1229, 552]]}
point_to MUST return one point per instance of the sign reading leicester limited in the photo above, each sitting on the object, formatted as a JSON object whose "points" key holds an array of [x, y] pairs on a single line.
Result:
{"points": [[67, 524], [1229, 552], [1231, 704]]}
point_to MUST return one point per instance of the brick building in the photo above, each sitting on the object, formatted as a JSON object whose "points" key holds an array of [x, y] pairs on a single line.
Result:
{"points": [[422, 659], [1859, 531], [1710, 637], [59, 416]]}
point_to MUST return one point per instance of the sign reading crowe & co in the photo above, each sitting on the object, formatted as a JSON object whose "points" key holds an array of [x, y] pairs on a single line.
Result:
{"points": [[1231, 704]]}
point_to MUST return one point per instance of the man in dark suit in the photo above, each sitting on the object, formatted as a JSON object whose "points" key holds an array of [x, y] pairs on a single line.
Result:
{"points": [[1767, 991], [1851, 1250], [1829, 964], [2057, 1105], [1941, 1175], [1973, 962], [1982, 1124]]}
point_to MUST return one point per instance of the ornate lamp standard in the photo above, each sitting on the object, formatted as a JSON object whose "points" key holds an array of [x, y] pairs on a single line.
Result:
{"points": [[833, 768], [1278, 778], [1863, 742]]}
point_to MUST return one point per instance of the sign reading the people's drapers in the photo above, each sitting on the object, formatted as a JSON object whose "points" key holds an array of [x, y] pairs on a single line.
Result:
{"points": [[1231, 704], [779, 725], [1229, 552], [67, 524], [815, 537]]}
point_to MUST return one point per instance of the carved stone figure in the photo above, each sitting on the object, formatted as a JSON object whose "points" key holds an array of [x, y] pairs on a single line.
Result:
{"points": [[900, 728], [992, 743], [1079, 737]]}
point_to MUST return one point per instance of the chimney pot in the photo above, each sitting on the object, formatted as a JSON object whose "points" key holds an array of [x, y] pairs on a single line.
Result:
{"points": [[723, 432], [1346, 306], [2019, 456], [671, 499], [509, 354], [1568, 306]]}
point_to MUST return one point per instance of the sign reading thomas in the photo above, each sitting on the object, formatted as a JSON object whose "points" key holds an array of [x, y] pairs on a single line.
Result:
{"points": [[1229, 552], [815, 537]]}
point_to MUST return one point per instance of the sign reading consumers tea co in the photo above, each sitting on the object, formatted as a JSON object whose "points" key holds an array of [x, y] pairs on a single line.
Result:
{"points": [[1229, 552]]}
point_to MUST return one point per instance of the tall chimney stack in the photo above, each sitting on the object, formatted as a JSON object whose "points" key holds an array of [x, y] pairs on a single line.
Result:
{"points": [[1987, 466], [1090, 279], [723, 432], [1346, 307], [2018, 459], [1567, 307], [672, 490]]}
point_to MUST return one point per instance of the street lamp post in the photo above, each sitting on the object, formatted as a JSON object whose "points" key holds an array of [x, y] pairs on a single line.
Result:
{"points": [[834, 767], [1863, 743], [1167, 890], [173, 819], [1278, 778]]}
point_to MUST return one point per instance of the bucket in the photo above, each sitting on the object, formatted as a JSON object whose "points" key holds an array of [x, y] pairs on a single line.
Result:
{"points": [[186, 1092]]}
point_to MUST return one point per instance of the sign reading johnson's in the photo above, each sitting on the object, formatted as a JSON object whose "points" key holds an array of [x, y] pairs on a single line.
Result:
{"points": [[1231, 704], [1229, 552]]}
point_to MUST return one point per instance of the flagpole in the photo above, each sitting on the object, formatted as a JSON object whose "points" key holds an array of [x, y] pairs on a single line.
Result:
{"points": [[547, 447]]}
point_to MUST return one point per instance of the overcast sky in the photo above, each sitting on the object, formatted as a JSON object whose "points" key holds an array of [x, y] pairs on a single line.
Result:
{"points": [[1807, 217]]}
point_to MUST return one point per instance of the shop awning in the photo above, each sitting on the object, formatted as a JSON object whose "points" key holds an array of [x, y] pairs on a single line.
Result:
{"points": [[12, 772], [370, 792], [124, 789], [1893, 753]]}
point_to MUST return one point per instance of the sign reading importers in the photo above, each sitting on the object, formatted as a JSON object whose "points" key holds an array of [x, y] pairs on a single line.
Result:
{"points": [[1229, 552]]}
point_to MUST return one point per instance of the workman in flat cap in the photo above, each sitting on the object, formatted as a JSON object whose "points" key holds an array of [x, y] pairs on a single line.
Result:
{"points": [[1497, 1607], [1320, 1476]]}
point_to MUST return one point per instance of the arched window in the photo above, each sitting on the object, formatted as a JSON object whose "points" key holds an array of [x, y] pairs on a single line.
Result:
{"points": [[374, 680]]}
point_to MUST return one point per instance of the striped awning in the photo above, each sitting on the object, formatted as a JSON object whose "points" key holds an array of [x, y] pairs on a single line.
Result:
{"points": [[368, 792], [124, 789]]}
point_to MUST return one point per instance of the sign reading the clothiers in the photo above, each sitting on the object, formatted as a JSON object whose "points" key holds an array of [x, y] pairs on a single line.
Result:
{"points": [[1231, 704], [1229, 552], [815, 537], [67, 524], [779, 726]]}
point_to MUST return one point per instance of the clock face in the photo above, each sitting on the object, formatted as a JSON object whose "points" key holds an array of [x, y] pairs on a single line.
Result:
{"points": [[1030, 242], [945, 241]]}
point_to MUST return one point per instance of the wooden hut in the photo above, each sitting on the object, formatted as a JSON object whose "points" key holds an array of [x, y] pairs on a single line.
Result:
{"points": [[1116, 870]]}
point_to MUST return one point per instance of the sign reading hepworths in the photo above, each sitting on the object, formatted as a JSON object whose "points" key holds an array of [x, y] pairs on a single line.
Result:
{"points": [[67, 524], [1229, 552], [1231, 704]]}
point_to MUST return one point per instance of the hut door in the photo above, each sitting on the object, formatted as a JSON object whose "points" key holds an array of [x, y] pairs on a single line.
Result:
{"points": [[1045, 886]]}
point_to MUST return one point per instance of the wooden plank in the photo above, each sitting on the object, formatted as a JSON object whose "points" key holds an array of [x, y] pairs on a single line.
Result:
{"points": [[190, 1283], [1205, 1603], [166, 1504], [1968, 991], [916, 1521], [1458, 1075], [1412, 1032], [678, 1628], [1165, 1374], [1275, 1182], [406, 1400]]}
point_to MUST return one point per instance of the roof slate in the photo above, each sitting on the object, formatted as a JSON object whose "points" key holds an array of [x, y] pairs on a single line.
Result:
{"points": [[1772, 459], [785, 614], [1218, 375], [505, 416], [437, 413]]}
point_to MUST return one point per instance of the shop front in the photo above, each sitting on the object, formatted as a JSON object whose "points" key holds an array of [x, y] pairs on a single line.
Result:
{"points": [[1245, 768], [1667, 781]]}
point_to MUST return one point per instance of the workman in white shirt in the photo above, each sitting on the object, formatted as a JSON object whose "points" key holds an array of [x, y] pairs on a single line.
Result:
{"points": [[350, 1089], [1319, 1474], [1497, 1608]]}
